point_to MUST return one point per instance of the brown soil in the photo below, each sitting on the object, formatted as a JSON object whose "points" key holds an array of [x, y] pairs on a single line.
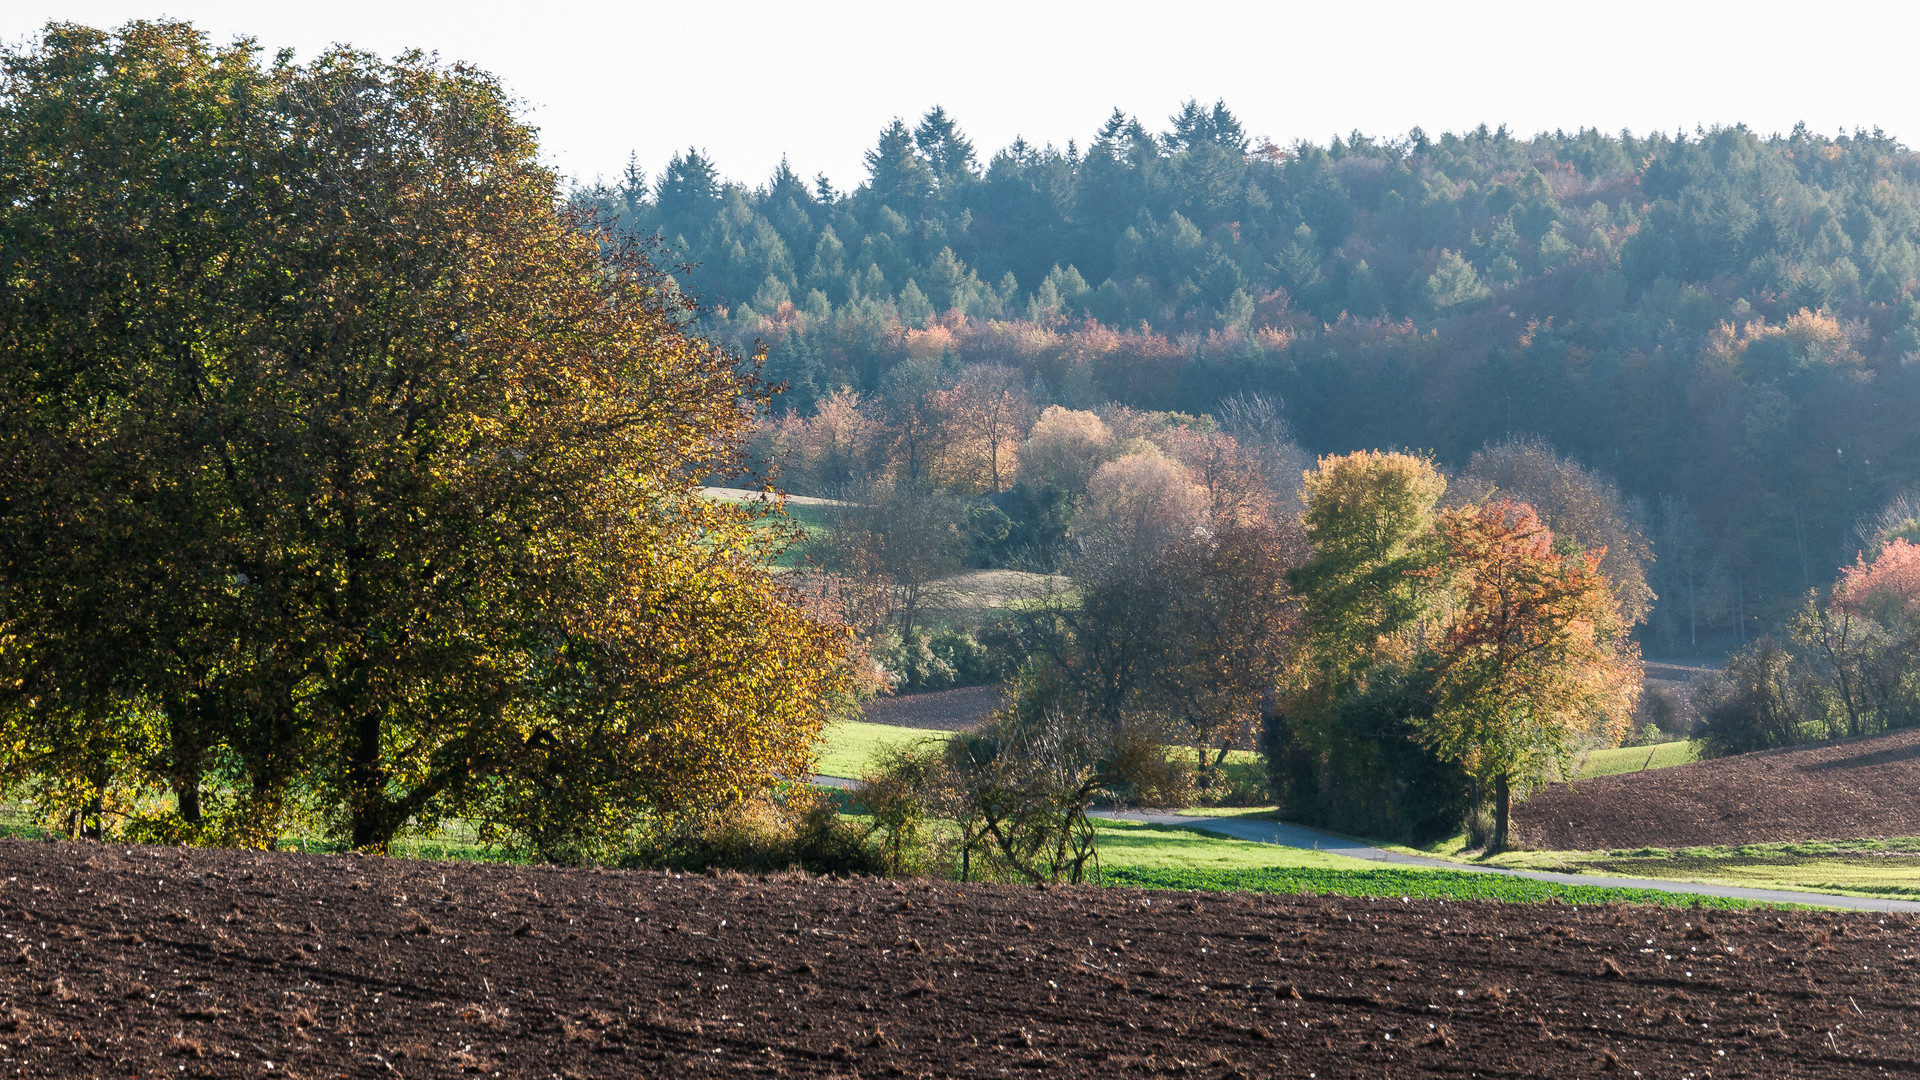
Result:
{"points": [[942, 710], [146, 962], [1858, 789]]}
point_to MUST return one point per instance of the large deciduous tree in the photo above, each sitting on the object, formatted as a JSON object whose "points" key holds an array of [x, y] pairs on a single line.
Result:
{"points": [[1531, 651], [344, 462]]}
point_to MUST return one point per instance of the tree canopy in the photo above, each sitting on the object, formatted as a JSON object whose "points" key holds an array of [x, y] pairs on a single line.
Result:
{"points": [[346, 474]]}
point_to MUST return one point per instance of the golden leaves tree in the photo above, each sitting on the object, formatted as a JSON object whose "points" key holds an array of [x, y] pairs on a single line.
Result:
{"points": [[1531, 652]]}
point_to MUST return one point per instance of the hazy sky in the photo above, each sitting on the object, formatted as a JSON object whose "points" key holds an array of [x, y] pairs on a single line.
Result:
{"points": [[816, 81]]}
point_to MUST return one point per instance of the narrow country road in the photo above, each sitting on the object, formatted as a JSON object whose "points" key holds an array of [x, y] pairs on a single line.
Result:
{"points": [[1264, 831]]}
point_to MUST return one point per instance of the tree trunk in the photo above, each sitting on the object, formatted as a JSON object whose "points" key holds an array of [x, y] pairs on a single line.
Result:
{"points": [[1502, 805], [183, 734], [186, 795], [367, 781]]}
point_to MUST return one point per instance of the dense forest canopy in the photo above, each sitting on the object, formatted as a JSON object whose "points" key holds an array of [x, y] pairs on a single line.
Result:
{"points": [[1725, 323]]}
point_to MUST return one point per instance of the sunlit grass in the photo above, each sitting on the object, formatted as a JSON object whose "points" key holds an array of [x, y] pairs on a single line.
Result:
{"points": [[1169, 857], [1140, 846], [1862, 868], [851, 746], [1621, 759]]}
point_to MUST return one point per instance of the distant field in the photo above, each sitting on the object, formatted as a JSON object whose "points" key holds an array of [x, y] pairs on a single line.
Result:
{"points": [[808, 513], [1845, 790], [850, 746], [1623, 759]]}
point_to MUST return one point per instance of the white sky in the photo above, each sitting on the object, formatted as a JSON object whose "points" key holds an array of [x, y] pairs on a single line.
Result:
{"points": [[816, 81]]}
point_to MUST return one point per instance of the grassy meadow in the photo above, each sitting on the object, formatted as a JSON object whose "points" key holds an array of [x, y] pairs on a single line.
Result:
{"points": [[1623, 759]]}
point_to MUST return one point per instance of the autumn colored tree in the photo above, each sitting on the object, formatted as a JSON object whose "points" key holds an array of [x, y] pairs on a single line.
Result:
{"points": [[1137, 507], [987, 413], [1531, 652], [1234, 633], [1369, 525], [1583, 508], [1887, 588], [1064, 448], [1231, 475], [841, 443], [417, 468], [912, 408], [128, 260], [1342, 748]]}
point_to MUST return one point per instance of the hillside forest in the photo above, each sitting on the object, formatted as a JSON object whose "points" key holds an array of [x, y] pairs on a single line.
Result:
{"points": [[1723, 325]]}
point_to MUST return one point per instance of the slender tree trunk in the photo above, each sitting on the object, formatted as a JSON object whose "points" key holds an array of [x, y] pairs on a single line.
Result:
{"points": [[1693, 618], [181, 732], [1473, 812], [1502, 806]]}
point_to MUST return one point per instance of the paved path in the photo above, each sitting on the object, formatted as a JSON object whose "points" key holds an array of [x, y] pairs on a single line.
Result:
{"points": [[1269, 831]]}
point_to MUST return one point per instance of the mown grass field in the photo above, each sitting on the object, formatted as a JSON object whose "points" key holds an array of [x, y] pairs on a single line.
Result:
{"points": [[851, 746], [1621, 759]]}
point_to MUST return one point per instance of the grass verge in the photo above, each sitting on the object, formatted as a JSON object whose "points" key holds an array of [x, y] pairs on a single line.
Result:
{"points": [[1411, 884], [1887, 868], [1138, 855]]}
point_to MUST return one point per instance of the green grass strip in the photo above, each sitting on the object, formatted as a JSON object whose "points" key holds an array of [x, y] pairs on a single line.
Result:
{"points": [[1417, 884]]}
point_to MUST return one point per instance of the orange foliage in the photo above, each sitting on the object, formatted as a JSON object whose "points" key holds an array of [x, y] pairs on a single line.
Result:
{"points": [[1532, 650], [1886, 589]]}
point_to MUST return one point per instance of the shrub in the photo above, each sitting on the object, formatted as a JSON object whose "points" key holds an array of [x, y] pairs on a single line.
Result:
{"points": [[1751, 705], [1234, 783], [966, 656], [1140, 772], [802, 830], [918, 661]]}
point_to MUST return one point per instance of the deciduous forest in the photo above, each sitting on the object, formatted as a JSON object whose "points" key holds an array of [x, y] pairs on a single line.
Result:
{"points": [[1722, 322]]}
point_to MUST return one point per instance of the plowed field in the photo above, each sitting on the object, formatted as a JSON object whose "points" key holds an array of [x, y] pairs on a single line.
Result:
{"points": [[941, 710], [1858, 789], [147, 962]]}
